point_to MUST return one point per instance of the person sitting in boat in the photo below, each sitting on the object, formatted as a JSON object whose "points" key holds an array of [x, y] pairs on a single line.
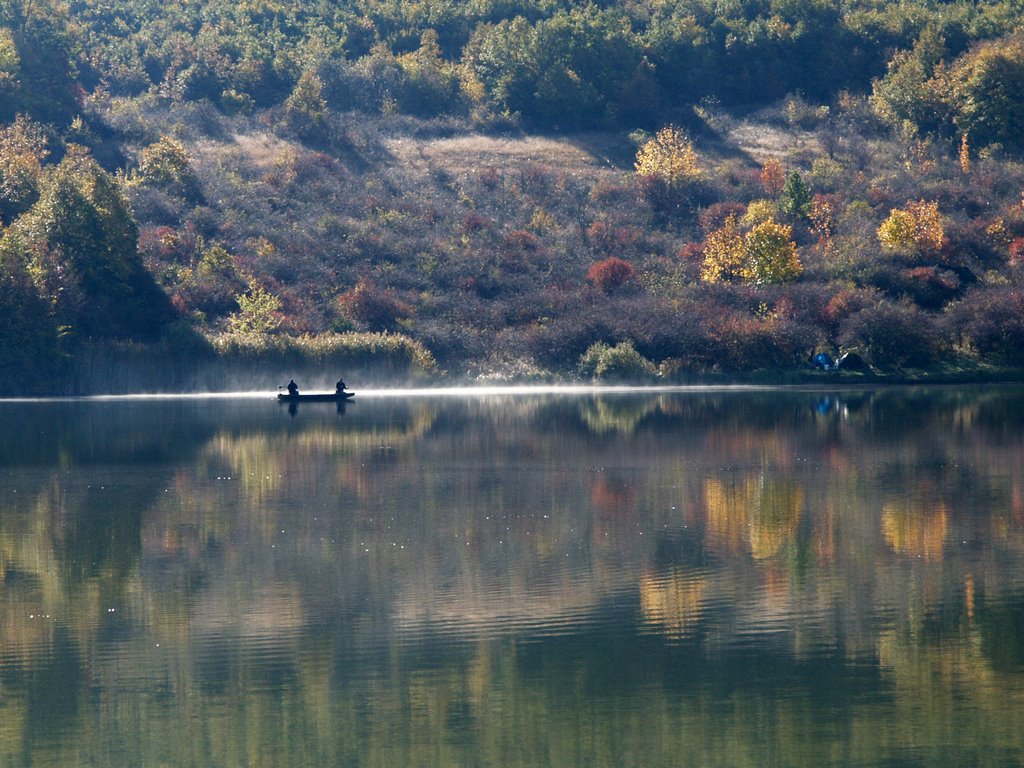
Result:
{"points": [[293, 389], [339, 388]]}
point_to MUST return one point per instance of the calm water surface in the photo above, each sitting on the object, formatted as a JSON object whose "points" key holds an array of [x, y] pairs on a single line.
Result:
{"points": [[732, 578]]}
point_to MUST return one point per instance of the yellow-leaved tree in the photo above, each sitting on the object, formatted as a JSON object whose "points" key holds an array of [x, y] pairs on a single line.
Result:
{"points": [[771, 255], [764, 254], [912, 230], [724, 253], [669, 157], [259, 312]]}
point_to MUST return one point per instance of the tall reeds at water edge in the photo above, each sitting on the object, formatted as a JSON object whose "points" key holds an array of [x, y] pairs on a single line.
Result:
{"points": [[236, 362]]}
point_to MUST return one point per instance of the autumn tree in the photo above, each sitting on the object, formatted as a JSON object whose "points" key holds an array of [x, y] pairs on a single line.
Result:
{"points": [[764, 254], [914, 229], [823, 215], [668, 171], [772, 176], [770, 254], [669, 157], [724, 253]]}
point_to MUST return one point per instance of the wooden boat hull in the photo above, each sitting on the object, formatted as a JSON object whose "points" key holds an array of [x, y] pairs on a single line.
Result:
{"points": [[316, 397]]}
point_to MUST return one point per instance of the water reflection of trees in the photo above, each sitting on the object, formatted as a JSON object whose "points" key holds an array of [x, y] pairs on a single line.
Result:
{"points": [[536, 579]]}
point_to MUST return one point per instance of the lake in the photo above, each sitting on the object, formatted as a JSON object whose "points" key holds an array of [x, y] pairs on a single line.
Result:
{"points": [[614, 578]]}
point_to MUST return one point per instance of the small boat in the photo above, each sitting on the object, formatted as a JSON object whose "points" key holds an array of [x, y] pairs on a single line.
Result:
{"points": [[315, 397]]}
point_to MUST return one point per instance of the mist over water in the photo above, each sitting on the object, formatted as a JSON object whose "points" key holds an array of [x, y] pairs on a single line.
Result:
{"points": [[515, 577]]}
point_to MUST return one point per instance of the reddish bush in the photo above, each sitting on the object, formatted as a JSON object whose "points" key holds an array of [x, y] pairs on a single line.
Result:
{"points": [[534, 179], [599, 235], [844, 303], [714, 216], [691, 252], [666, 201], [991, 321], [166, 244], [892, 335], [881, 198], [611, 274], [740, 341], [800, 302], [522, 240], [490, 177], [473, 222], [1016, 249], [562, 340], [970, 244], [930, 287], [376, 308], [607, 194], [606, 238]]}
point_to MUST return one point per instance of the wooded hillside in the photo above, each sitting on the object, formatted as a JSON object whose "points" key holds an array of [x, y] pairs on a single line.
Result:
{"points": [[520, 189]]}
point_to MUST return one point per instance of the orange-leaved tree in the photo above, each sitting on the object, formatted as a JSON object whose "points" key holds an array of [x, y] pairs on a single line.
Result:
{"points": [[773, 176]]}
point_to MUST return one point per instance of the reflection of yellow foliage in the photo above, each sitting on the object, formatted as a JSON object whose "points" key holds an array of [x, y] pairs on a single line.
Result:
{"points": [[754, 512], [727, 507], [775, 517], [925, 672], [603, 416], [13, 728], [672, 602], [259, 461], [911, 528]]}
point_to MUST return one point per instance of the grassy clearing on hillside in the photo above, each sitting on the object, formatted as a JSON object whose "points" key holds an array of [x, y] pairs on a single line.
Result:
{"points": [[475, 152]]}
